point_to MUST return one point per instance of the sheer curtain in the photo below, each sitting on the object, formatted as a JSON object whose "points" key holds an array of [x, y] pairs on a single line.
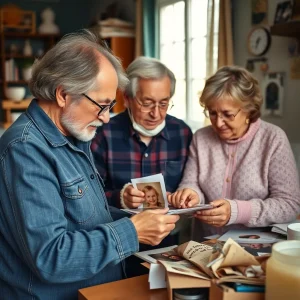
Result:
{"points": [[219, 51], [139, 28], [225, 56]]}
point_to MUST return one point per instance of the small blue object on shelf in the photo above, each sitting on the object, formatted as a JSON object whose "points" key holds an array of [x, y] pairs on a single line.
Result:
{"points": [[248, 288]]}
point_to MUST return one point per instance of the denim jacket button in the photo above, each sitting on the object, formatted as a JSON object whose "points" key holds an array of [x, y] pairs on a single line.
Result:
{"points": [[92, 176]]}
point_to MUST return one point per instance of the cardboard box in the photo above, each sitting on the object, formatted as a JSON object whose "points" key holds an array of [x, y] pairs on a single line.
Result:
{"points": [[223, 292], [177, 281]]}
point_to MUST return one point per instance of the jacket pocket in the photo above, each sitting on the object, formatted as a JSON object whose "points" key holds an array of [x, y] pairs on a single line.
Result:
{"points": [[79, 207]]}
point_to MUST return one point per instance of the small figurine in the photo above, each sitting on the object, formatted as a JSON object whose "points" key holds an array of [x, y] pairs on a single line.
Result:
{"points": [[48, 25], [27, 50]]}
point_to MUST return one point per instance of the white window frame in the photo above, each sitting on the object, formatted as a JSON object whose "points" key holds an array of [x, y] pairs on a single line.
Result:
{"points": [[188, 72]]}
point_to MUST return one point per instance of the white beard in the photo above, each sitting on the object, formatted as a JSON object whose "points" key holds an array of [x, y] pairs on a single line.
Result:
{"points": [[75, 129]]}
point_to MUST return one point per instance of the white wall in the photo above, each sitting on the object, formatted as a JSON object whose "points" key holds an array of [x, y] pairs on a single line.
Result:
{"points": [[278, 61]]}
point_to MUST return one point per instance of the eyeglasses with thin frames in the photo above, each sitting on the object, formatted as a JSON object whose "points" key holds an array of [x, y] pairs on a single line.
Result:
{"points": [[147, 107], [103, 108], [224, 116]]}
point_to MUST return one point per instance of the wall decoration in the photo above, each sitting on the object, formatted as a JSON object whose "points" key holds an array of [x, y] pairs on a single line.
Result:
{"points": [[284, 12], [295, 68], [48, 26], [273, 92], [259, 12], [259, 41], [293, 47]]}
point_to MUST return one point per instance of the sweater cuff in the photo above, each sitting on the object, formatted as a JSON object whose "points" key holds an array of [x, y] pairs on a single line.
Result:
{"points": [[244, 212], [234, 212], [122, 194]]}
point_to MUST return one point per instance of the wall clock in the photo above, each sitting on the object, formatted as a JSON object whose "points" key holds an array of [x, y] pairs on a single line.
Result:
{"points": [[259, 41]]}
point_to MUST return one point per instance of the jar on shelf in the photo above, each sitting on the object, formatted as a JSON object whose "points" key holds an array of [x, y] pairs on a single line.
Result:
{"points": [[283, 271]]}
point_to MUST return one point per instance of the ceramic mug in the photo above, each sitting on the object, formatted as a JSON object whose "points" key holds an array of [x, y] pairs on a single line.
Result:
{"points": [[293, 231]]}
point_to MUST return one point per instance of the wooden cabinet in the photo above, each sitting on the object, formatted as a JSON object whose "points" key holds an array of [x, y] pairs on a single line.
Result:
{"points": [[122, 47], [13, 60]]}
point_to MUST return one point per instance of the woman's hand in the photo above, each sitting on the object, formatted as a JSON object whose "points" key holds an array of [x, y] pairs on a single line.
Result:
{"points": [[217, 216], [184, 198], [132, 197]]}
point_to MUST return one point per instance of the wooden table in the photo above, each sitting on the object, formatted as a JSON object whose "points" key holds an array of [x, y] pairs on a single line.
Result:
{"points": [[136, 288]]}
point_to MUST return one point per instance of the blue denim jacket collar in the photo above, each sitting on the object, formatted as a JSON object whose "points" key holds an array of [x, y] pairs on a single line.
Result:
{"points": [[45, 125]]}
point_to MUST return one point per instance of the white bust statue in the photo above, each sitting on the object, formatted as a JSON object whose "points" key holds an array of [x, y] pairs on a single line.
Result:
{"points": [[48, 25]]}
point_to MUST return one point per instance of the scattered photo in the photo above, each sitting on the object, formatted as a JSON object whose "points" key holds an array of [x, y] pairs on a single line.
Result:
{"points": [[167, 256], [151, 256], [252, 236]]}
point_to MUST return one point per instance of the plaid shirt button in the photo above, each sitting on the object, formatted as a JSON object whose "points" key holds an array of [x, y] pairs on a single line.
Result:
{"points": [[146, 154]]}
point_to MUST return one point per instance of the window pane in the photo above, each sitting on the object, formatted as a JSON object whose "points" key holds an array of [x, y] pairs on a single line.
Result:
{"points": [[172, 22], [198, 53], [177, 25], [166, 18], [179, 101], [198, 18], [197, 110]]}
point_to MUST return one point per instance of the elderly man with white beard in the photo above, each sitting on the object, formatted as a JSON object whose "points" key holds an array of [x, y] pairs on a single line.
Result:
{"points": [[57, 232]]}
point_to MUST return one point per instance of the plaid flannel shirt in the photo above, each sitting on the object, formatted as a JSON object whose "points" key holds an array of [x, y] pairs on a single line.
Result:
{"points": [[120, 154]]}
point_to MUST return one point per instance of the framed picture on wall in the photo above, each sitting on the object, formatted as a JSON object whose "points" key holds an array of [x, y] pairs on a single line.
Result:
{"points": [[259, 14], [273, 93], [284, 12]]}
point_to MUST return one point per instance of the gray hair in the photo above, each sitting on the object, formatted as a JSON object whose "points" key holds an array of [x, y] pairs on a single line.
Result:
{"points": [[147, 68], [74, 63], [236, 83]]}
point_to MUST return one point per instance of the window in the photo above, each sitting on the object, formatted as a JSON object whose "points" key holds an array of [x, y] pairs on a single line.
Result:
{"points": [[183, 38]]}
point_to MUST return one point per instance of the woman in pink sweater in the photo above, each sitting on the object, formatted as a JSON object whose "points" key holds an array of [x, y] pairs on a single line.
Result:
{"points": [[240, 164]]}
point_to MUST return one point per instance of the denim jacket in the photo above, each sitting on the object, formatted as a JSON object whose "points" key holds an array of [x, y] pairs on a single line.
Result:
{"points": [[57, 232]]}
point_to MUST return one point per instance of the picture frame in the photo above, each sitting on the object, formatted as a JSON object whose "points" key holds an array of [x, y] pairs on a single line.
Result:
{"points": [[273, 94], [284, 12]]}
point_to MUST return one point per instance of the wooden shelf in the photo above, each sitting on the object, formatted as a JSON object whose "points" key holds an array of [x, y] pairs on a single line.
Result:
{"points": [[288, 29], [19, 56], [17, 82], [9, 105], [16, 34]]}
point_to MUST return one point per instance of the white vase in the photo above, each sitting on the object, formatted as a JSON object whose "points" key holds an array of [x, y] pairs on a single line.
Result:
{"points": [[27, 50], [26, 73]]}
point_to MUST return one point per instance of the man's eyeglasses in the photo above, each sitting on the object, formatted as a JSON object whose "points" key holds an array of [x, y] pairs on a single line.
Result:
{"points": [[103, 108], [224, 116], [147, 106]]}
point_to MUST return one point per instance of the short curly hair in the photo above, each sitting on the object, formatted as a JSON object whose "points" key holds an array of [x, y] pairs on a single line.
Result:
{"points": [[237, 84]]}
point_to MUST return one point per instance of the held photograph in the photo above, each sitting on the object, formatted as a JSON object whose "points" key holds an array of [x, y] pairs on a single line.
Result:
{"points": [[154, 189], [153, 195]]}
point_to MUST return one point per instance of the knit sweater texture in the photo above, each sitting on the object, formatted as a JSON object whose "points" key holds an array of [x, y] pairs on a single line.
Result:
{"points": [[256, 172]]}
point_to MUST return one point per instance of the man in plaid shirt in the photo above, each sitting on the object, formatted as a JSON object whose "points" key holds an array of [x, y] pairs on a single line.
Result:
{"points": [[143, 140]]}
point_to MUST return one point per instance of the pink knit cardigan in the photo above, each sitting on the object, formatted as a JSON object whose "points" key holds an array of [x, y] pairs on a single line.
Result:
{"points": [[256, 172]]}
